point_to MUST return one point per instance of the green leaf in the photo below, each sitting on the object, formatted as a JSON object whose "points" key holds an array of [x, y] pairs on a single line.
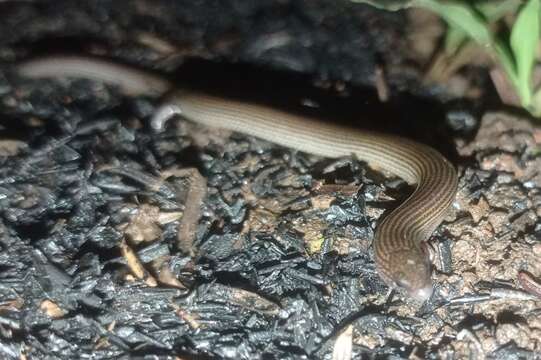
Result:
{"points": [[454, 39], [461, 15], [494, 10], [524, 41], [389, 5], [506, 60], [535, 105]]}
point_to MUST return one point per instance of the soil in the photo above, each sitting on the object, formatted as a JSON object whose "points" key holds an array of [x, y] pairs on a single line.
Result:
{"points": [[279, 262]]}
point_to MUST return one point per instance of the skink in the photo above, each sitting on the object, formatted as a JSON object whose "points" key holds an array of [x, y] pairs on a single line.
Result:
{"points": [[398, 245]]}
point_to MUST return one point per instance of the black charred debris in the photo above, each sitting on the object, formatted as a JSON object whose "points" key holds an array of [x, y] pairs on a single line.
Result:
{"points": [[106, 250], [91, 207]]}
